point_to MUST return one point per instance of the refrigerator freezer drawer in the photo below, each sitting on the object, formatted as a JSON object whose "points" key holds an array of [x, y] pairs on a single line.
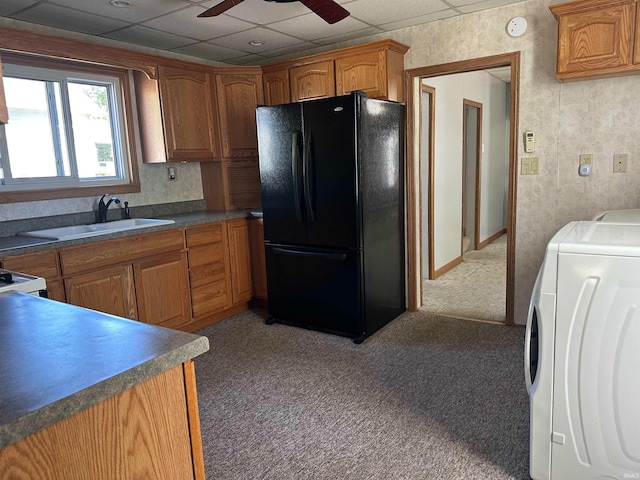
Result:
{"points": [[314, 288]]}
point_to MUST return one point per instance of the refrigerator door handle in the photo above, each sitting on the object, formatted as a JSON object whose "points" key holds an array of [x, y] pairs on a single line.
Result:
{"points": [[300, 253], [307, 173], [295, 161]]}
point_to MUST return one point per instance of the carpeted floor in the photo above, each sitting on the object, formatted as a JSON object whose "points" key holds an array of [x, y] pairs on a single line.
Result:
{"points": [[475, 289], [426, 397]]}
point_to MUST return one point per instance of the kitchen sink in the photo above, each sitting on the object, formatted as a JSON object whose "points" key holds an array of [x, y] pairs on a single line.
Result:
{"points": [[91, 230]]}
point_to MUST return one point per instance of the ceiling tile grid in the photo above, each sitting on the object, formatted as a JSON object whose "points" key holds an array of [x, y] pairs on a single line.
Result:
{"points": [[283, 28]]}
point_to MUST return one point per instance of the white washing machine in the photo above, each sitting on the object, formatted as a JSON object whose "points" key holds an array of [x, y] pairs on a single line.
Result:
{"points": [[582, 355]]}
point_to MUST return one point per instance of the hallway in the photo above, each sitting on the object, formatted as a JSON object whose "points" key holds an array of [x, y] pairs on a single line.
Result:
{"points": [[475, 289]]}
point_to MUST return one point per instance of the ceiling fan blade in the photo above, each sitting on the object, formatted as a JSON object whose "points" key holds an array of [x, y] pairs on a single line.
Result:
{"points": [[220, 8], [328, 10]]}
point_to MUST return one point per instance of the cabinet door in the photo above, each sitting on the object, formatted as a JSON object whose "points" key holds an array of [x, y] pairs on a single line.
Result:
{"points": [[4, 113], [595, 41], [240, 261], [258, 264], [316, 80], [276, 87], [110, 290], [162, 290], [187, 114], [40, 264], [365, 71], [238, 96]]}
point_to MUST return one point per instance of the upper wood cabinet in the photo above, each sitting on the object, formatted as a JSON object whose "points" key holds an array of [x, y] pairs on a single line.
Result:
{"points": [[177, 115], [315, 80], [276, 87], [376, 68], [238, 95], [596, 38], [4, 112]]}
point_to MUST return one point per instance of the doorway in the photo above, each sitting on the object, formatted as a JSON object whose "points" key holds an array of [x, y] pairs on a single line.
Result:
{"points": [[415, 190]]}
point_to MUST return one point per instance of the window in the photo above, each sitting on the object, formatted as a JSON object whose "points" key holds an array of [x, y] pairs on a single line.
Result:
{"points": [[67, 129]]}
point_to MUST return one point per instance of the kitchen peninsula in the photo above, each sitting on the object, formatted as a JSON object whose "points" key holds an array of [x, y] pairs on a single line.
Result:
{"points": [[90, 395]]}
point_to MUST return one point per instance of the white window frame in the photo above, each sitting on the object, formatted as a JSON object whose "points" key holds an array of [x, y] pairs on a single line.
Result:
{"points": [[119, 131]]}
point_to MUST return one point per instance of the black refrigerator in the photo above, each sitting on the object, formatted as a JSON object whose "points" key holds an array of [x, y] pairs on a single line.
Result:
{"points": [[332, 174]]}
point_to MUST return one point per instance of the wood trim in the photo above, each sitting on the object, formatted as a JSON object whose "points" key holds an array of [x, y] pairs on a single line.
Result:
{"points": [[492, 238], [4, 112], [35, 195], [413, 76], [476, 228], [583, 6], [447, 266], [193, 417], [431, 183], [335, 54]]}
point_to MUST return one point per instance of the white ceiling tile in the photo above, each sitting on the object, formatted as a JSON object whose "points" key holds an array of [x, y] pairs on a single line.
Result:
{"points": [[311, 26], [149, 37], [261, 12], [287, 50], [139, 10], [186, 23], [377, 12], [348, 36], [410, 22], [9, 7], [209, 51], [475, 7], [67, 19], [247, 60], [240, 41]]}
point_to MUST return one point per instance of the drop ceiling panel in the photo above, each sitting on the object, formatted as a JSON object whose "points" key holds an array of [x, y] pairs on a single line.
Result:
{"points": [[347, 36], [208, 50], [139, 11], [311, 27], [149, 37], [272, 40], [67, 19], [186, 23], [9, 7], [378, 12], [261, 12]]}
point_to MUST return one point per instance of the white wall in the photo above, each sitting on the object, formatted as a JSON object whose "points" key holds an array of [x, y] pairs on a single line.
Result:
{"points": [[450, 92]]}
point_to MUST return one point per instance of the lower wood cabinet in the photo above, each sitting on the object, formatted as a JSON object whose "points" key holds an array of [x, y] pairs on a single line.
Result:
{"points": [[109, 290], [162, 290], [39, 264], [258, 261], [151, 430], [241, 286]]}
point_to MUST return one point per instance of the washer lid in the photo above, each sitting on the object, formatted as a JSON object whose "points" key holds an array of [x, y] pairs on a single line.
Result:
{"points": [[602, 238]]}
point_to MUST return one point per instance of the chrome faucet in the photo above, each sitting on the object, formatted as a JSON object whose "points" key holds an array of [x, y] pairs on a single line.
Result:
{"points": [[103, 207]]}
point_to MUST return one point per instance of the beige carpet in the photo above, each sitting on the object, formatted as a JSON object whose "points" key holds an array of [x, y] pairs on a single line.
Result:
{"points": [[474, 289]]}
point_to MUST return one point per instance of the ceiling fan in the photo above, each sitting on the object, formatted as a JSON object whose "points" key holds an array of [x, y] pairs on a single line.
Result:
{"points": [[328, 10]]}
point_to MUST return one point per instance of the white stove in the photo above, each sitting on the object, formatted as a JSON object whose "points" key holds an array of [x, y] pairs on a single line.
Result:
{"points": [[20, 282]]}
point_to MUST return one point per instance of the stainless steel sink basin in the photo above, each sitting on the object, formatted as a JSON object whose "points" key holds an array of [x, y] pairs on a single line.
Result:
{"points": [[82, 231]]}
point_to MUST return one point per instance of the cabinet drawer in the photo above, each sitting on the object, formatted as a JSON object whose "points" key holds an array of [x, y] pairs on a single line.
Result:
{"points": [[206, 264], [40, 264], [205, 234], [120, 250], [209, 298]]}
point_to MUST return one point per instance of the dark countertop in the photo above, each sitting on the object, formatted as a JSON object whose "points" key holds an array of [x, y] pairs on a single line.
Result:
{"points": [[15, 245], [58, 359]]}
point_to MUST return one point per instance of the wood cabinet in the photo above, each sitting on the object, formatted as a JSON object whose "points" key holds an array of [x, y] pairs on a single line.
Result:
{"points": [[238, 95], [596, 39], [276, 87], [314, 80], [376, 68], [258, 261], [162, 290], [177, 115], [43, 264], [241, 284], [141, 277], [151, 430], [4, 112], [109, 290], [209, 269]]}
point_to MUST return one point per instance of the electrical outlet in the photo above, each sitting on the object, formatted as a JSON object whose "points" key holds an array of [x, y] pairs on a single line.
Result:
{"points": [[620, 162], [586, 158]]}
